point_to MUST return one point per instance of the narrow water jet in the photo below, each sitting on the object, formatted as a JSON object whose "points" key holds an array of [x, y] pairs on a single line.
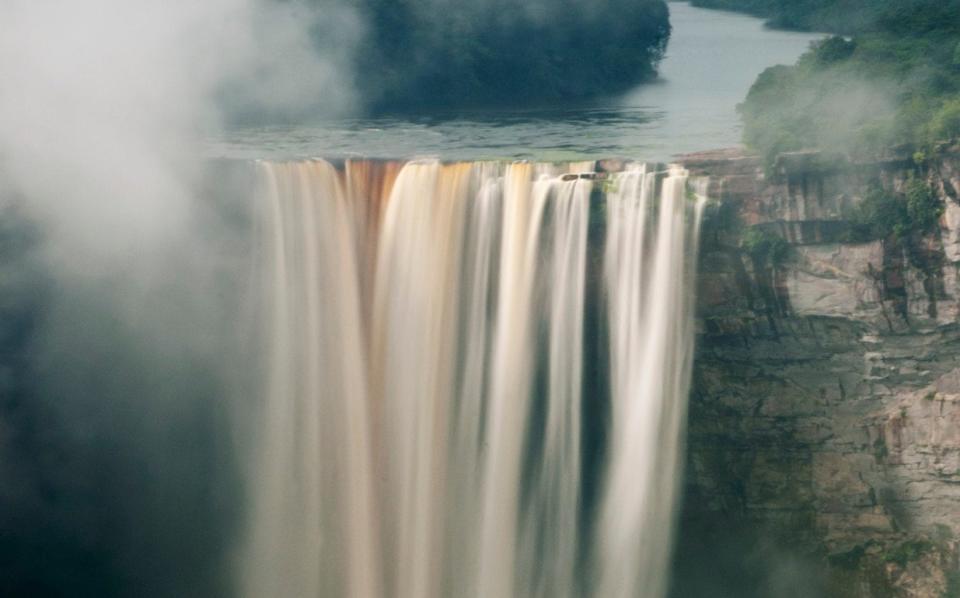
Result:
{"points": [[421, 429]]}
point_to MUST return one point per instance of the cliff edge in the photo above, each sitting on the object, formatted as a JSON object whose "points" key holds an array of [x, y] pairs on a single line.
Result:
{"points": [[824, 431]]}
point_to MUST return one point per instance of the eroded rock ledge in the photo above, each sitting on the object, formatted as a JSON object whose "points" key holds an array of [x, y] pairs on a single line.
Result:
{"points": [[824, 442]]}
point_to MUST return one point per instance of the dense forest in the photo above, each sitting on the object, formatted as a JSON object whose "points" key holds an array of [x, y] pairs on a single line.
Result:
{"points": [[893, 80], [840, 16], [432, 53]]}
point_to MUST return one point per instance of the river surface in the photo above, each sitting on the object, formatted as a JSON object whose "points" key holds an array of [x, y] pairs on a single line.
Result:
{"points": [[713, 58]]}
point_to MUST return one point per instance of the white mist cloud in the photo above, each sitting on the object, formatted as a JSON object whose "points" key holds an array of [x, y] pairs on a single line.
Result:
{"points": [[102, 102], [119, 323]]}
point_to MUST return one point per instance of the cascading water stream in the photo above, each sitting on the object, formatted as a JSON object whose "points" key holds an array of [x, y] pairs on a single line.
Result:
{"points": [[423, 426]]}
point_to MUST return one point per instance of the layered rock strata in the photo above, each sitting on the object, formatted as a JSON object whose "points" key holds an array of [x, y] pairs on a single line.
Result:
{"points": [[824, 433]]}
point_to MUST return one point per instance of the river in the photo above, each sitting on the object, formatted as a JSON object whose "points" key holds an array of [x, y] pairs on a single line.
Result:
{"points": [[713, 58]]}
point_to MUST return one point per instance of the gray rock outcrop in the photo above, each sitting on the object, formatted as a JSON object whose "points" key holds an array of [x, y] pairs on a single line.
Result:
{"points": [[824, 438]]}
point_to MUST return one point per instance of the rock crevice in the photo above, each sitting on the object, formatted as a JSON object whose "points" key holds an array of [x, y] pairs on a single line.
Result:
{"points": [[824, 438]]}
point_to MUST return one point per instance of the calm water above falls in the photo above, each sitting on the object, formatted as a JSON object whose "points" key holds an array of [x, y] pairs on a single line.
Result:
{"points": [[712, 60]]}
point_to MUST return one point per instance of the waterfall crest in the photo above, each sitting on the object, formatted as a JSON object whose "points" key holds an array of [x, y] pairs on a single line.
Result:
{"points": [[428, 412]]}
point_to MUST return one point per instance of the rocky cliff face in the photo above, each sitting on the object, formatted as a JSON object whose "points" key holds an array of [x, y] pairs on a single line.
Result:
{"points": [[824, 442]]}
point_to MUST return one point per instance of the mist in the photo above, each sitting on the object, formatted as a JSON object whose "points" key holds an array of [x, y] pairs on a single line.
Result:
{"points": [[802, 107], [121, 279], [103, 103]]}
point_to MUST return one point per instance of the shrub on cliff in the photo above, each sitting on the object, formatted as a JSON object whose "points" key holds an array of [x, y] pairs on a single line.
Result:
{"points": [[924, 208], [945, 123], [878, 216], [883, 214], [765, 248]]}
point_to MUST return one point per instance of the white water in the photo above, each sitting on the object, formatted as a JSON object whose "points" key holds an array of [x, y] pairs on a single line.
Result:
{"points": [[648, 280], [422, 427]]}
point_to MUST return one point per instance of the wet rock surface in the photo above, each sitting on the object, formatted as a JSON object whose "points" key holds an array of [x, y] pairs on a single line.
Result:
{"points": [[824, 430]]}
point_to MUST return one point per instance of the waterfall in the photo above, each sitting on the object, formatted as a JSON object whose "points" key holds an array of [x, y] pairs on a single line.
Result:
{"points": [[427, 409], [648, 279]]}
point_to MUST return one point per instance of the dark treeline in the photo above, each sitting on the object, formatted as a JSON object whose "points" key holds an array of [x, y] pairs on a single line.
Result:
{"points": [[894, 81], [435, 53], [847, 16]]}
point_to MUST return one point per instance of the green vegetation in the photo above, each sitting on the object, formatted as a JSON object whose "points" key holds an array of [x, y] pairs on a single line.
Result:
{"points": [[883, 215], [434, 53], [847, 17], [924, 208], [896, 82], [849, 560], [880, 450], [953, 585], [879, 216], [807, 15], [909, 551], [765, 248]]}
